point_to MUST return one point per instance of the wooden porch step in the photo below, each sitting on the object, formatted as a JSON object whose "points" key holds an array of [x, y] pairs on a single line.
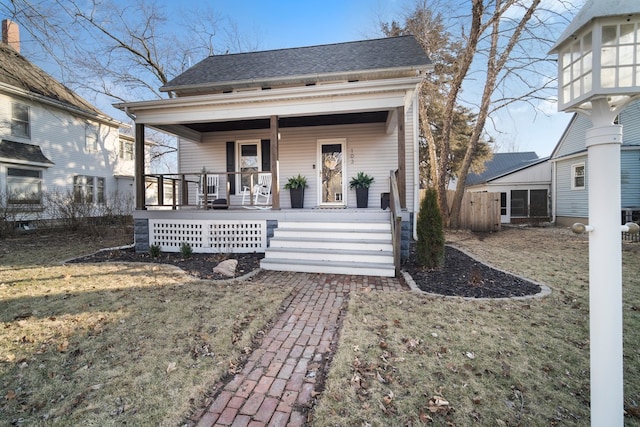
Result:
{"points": [[324, 243], [332, 225], [337, 247], [329, 267], [316, 254], [333, 233]]}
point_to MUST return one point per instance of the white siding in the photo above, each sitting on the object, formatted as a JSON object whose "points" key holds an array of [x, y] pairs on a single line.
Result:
{"points": [[61, 137], [368, 148], [537, 174]]}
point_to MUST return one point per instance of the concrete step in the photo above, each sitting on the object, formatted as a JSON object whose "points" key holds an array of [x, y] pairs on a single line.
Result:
{"points": [[329, 267], [315, 254]]}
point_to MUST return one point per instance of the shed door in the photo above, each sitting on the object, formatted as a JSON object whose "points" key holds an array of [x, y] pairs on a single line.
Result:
{"points": [[331, 172]]}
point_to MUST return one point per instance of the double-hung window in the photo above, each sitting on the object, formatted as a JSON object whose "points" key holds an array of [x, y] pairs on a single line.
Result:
{"points": [[91, 139], [577, 176], [88, 189], [20, 120]]}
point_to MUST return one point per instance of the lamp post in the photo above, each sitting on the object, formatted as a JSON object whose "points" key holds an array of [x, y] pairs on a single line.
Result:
{"points": [[599, 74]]}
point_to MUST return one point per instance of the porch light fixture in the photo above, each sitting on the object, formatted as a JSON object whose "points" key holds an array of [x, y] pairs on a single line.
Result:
{"points": [[598, 75]]}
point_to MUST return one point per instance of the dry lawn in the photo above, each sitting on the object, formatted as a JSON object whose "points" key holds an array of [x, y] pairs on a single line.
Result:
{"points": [[409, 359], [115, 344]]}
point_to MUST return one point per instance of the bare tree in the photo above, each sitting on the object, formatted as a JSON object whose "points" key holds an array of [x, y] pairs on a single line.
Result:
{"points": [[122, 51], [500, 48]]}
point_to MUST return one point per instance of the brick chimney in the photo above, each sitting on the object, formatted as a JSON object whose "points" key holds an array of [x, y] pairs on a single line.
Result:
{"points": [[11, 34]]}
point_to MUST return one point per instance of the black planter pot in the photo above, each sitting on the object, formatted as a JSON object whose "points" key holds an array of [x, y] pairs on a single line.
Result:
{"points": [[362, 197], [297, 197]]}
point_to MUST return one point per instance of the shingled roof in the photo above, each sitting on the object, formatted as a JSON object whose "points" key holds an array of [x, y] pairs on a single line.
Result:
{"points": [[12, 150], [397, 56], [502, 164], [17, 71]]}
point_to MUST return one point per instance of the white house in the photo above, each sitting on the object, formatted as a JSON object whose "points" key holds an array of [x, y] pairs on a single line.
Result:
{"points": [[323, 112], [54, 142]]}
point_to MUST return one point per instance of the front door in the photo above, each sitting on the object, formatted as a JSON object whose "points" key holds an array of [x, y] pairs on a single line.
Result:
{"points": [[331, 173]]}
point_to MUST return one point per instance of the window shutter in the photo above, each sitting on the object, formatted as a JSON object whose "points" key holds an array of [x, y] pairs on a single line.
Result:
{"points": [[266, 154], [231, 166]]}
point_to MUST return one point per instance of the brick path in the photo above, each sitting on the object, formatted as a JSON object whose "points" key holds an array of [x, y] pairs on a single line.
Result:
{"points": [[277, 385]]}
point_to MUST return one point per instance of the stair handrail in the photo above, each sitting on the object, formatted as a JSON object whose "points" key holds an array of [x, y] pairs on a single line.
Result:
{"points": [[396, 219]]}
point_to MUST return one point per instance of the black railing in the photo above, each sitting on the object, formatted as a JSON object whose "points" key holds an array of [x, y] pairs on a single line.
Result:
{"points": [[174, 191]]}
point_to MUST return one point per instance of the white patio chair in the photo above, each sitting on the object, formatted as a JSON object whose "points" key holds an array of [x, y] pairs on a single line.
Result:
{"points": [[261, 191], [208, 192]]}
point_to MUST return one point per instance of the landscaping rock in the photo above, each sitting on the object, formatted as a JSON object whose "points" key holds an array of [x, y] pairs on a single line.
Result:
{"points": [[227, 267]]}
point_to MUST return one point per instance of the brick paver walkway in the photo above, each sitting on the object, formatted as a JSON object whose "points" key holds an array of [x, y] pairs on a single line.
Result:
{"points": [[278, 382]]}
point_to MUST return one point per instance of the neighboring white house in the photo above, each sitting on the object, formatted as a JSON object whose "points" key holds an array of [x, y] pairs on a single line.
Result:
{"points": [[53, 141], [523, 181], [325, 112], [570, 165]]}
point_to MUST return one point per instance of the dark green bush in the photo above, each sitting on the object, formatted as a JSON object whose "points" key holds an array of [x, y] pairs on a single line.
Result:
{"points": [[430, 245], [186, 250]]}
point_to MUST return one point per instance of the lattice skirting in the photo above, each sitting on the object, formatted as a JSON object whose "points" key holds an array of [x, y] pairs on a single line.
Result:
{"points": [[209, 236]]}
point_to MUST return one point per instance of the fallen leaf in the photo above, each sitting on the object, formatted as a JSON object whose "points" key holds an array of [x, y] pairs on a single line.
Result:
{"points": [[62, 347], [171, 367], [10, 395], [439, 405]]}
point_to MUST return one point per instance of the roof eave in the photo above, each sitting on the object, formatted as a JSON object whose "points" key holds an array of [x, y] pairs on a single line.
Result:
{"points": [[62, 105], [406, 83], [385, 73]]}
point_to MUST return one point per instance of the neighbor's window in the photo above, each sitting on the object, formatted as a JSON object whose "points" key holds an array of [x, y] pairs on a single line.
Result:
{"points": [[91, 139], [24, 186], [88, 189], [577, 176], [126, 150], [20, 121]]}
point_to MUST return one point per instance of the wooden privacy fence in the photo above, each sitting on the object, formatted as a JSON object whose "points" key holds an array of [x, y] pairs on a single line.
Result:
{"points": [[479, 211]]}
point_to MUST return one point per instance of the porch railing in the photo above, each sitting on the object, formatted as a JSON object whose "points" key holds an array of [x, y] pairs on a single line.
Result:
{"points": [[396, 220], [173, 191]]}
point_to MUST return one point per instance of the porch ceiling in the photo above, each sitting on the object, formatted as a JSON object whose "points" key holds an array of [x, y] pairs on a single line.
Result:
{"points": [[290, 122]]}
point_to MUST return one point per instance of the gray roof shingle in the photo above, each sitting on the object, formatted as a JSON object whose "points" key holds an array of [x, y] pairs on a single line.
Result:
{"points": [[13, 150], [17, 71], [501, 164], [352, 60]]}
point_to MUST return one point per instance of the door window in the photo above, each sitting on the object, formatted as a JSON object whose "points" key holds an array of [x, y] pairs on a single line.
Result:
{"points": [[331, 174]]}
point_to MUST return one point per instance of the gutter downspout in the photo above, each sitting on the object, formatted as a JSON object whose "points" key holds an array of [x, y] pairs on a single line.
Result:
{"points": [[554, 193]]}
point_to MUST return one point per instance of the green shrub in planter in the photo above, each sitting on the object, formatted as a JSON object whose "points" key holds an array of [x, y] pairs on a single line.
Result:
{"points": [[361, 183], [296, 186]]}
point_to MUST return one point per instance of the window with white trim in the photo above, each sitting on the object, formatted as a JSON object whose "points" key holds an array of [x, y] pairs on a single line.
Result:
{"points": [[20, 121], [24, 186], [88, 189], [126, 150], [578, 176]]}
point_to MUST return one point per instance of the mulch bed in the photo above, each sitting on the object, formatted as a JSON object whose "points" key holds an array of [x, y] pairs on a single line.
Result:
{"points": [[461, 275], [197, 265], [465, 277]]}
